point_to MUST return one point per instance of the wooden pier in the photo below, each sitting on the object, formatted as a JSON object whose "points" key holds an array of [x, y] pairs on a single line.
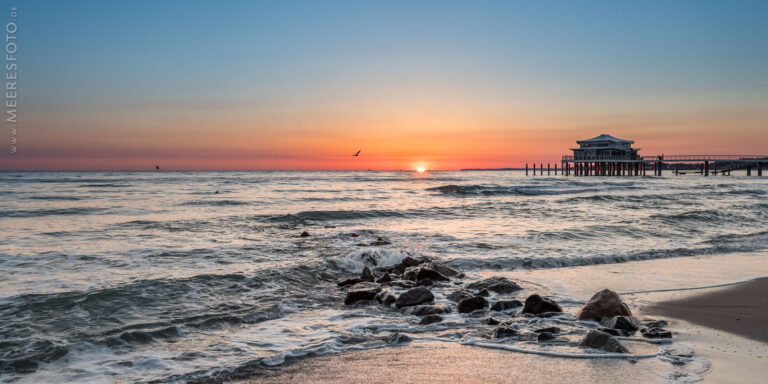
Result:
{"points": [[655, 165]]}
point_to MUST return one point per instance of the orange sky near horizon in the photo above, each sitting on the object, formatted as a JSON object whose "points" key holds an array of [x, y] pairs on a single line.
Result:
{"points": [[447, 142]]}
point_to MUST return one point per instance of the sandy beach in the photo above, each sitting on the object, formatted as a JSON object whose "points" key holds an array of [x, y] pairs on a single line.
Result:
{"points": [[741, 309]]}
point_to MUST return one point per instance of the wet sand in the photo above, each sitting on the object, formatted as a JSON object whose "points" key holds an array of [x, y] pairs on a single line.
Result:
{"points": [[436, 362], [741, 309]]}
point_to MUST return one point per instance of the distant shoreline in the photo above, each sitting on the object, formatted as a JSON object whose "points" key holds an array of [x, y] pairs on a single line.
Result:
{"points": [[492, 169]]}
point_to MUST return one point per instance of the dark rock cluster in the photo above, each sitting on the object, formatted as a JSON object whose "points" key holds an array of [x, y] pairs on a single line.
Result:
{"points": [[408, 287], [418, 276]]}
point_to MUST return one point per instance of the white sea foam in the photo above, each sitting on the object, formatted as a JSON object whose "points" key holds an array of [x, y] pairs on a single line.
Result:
{"points": [[376, 257]]}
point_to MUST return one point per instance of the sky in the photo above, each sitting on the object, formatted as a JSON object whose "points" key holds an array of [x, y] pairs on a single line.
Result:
{"points": [[303, 85]]}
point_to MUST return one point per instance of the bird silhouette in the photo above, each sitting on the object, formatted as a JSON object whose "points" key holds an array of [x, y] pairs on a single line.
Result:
{"points": [[157, 167], [356, 154]]}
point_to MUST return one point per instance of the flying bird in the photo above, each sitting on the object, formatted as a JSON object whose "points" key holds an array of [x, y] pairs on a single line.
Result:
{"points": [[356, 154], [157, 167]]}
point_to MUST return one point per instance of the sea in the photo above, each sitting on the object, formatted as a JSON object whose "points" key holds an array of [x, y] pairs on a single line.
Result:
{"points": [[181, 276]]}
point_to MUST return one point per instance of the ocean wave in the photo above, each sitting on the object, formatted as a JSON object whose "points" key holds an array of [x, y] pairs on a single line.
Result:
{"points": [[171, 226], [147, 336], [609, 197], [108, 316], [305, 216], [54, 180], [54, 198], [498, 190], [744, 241], [733, 244], [51, 212], [215, 203], [697, 216], [24, 356], [747, 192], [409, 177], [591, 232], [105, 185]]}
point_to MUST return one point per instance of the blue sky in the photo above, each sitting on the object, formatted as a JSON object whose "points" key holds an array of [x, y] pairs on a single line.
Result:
{"points": [[100, 69]]}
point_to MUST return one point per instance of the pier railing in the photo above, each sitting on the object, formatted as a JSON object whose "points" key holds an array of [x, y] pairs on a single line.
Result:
{"points": [[602, 158], [707, 157], [675, 158]]}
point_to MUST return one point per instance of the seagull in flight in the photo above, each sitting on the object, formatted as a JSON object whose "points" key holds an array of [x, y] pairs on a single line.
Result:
{"points": [[356, 154]]}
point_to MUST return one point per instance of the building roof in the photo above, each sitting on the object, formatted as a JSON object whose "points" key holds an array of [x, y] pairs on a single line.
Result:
{"points": [[616, 147], [604, 137]]}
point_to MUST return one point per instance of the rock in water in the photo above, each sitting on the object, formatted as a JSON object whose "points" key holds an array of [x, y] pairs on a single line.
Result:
{"points": [[424, 283], [656, 333], [410, 274], [428, 273], [380, 242], [651, 323], [402, 283], [536, 305], [503, 330], [361, 291], [483, 292], [367, 275], [495, 284], [385, 297], [605, 303], [503, 305], [385, 278], [304, 234], [444, 269], [410, 262], [347, 282], [623, 323], [414, 296], [472, 304], [545, 336], [604, 341], [459, 295], [490, 320], [429, 319], [548, 330], [614, 332], [424, 310], [398, 338]]}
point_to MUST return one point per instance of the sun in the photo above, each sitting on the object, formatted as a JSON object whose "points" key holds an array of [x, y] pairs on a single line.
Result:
{"points": [[420, 169]]}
